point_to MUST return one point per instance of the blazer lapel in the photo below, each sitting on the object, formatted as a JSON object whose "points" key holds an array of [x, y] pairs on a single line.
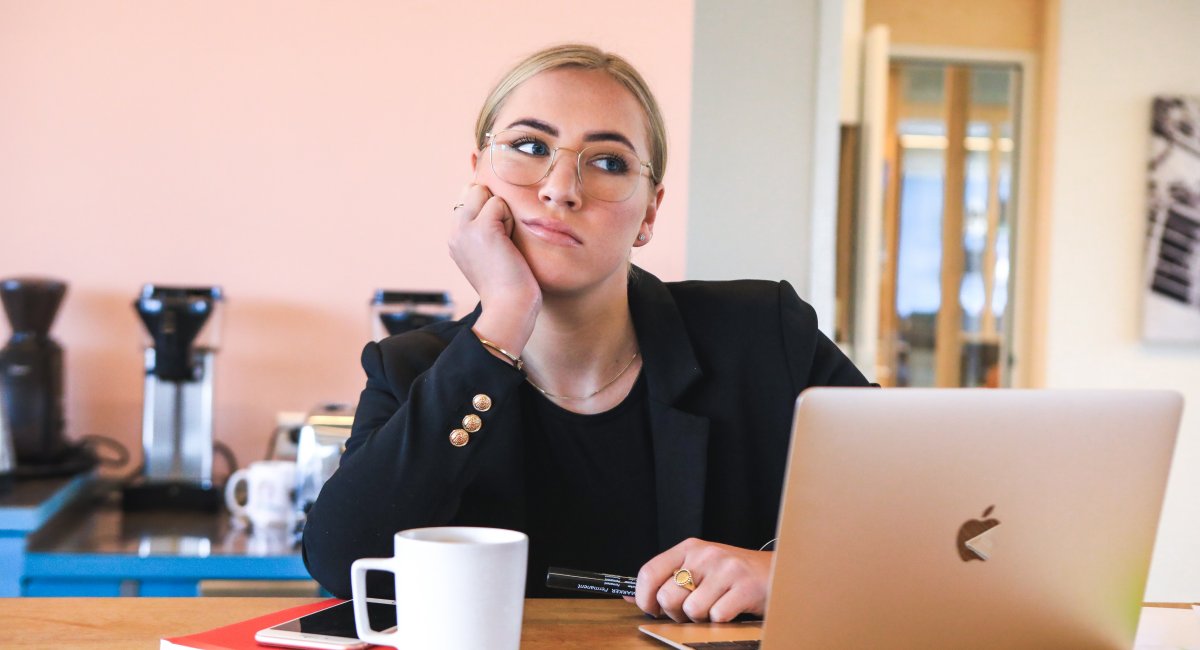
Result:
{"points": [[680, 438], [680, 466]]}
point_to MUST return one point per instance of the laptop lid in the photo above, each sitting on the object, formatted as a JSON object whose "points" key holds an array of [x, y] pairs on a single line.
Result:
{"points": [[969, 518]]}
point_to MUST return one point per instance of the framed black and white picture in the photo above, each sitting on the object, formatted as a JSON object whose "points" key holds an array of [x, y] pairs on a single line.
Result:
{"points": [[1171, 307]]}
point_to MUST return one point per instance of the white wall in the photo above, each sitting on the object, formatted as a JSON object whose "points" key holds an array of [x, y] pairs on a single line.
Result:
{"points": [[1115, 56], [765, 86]]}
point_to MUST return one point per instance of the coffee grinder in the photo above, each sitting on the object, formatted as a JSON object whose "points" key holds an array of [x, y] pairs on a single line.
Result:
{"points": [[31, 380], [183, 326]]}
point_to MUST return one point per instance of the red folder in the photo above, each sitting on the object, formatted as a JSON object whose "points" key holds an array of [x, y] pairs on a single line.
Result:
{"points": [[240, 636]]}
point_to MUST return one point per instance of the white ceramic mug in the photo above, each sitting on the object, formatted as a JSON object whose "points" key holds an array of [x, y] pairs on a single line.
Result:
{"points": [[457, 588], [269, 485]]}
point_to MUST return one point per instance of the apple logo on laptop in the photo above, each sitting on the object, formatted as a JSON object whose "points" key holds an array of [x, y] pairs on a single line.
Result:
{"points": [[974, 541]]}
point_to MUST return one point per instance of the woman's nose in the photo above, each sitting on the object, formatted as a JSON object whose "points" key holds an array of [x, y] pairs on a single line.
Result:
{"points": [[561, 185]]}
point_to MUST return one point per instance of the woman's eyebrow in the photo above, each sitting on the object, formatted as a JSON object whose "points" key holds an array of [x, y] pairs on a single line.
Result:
{"points": [[608, 136], [535, 124], [594, 136]]}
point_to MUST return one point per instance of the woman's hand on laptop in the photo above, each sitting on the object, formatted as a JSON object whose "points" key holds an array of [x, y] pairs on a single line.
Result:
{"points": [[728, 581]]}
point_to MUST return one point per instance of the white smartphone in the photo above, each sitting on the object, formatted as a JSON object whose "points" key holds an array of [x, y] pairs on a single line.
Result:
{"points": [[331, 628]]}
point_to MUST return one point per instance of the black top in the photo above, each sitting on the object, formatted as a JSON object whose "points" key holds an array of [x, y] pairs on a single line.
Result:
{"points": [[590, 489], [722, 362]]}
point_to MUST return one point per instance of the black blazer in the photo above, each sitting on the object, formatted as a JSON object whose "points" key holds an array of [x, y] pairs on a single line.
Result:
{"points": [[724, 362]]}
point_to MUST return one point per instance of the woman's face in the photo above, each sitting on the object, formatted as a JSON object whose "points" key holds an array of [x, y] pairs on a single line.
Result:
{"points": [[572, 241]]}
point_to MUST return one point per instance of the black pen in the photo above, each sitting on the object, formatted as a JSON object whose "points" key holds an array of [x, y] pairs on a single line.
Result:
{"points": [[591, 582]]}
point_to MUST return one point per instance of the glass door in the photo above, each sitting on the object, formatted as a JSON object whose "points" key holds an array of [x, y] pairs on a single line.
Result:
{"points": [[945, 316]]}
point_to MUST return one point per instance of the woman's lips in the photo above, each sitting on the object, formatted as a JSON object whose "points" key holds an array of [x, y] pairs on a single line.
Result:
{"points": [[551, 232]]}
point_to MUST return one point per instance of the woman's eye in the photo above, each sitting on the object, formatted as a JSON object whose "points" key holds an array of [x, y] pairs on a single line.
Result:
{"points": [[531, 147], [610, 163]]}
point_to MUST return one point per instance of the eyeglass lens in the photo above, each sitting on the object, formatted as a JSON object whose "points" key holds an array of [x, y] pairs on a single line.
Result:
{"points": [[606, 172]]}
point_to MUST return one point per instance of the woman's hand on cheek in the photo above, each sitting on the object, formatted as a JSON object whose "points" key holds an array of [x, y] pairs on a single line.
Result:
{"points": [[482, 247], [729, 581]]}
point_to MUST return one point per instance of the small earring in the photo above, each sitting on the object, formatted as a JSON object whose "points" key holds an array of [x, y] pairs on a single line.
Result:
{"points": [[642, 237]]}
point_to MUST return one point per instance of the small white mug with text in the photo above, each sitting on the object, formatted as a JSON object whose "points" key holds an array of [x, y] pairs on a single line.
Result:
{"points": [[457, 588], [269, 486]]}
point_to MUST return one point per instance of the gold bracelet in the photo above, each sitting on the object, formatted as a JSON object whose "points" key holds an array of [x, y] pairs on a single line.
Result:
{"points": [[514, 359]]}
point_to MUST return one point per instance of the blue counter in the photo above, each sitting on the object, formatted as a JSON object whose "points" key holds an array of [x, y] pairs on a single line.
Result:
{"points": [[95, 549], [24, 509]]}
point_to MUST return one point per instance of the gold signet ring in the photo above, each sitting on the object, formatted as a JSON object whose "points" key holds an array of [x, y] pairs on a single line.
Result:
{"points": [[683, 578]]}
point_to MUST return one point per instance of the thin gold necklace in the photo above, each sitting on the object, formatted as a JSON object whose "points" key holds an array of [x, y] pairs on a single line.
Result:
{"points": [[594, 393]]}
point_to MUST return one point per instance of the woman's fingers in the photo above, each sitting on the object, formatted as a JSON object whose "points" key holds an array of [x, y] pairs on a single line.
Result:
{"points": [[684, 605], [728, 581], [477, 204], [655, 574], [481, 245], [731, 603], [698, 606], [495, 210], [470, 201], [670, 599]]}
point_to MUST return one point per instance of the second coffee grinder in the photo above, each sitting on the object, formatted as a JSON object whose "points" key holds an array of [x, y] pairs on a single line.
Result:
{"points": [[183, 326]]}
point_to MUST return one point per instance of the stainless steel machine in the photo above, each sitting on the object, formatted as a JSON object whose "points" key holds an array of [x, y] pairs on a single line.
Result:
{"points": [[8, 458], [322, 441], [183, 328]]}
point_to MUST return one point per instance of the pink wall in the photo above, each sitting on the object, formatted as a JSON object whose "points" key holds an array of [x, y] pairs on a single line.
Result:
{"points": [[299, 153]]}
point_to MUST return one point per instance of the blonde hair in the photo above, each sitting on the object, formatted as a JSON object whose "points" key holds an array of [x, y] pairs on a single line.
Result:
{"points": [[583, 57]]}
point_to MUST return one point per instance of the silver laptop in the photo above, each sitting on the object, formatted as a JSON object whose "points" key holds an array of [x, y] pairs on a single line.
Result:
{"points": [[926, 518]]}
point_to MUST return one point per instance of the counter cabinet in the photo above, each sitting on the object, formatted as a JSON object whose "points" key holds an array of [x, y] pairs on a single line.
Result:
{"points": [[89, 547]]}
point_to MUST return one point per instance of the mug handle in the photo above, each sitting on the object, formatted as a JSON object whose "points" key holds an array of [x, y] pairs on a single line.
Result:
{"points": [[230, 490], [358, 591]]}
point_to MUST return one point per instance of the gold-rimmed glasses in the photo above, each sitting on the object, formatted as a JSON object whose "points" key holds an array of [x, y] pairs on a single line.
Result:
{"points": [[606, 171]]}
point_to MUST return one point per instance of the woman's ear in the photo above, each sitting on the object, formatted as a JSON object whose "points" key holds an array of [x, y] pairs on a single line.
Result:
{"points": [[646, 230]]}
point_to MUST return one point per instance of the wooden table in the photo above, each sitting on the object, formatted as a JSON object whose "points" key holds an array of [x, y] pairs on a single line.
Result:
{"points": [[130, 623]]}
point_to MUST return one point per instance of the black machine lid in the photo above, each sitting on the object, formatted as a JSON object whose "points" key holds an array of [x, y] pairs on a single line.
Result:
{"points": [[31, 303], [390, 297], [165, 292], [160, 306], [174, 317]]}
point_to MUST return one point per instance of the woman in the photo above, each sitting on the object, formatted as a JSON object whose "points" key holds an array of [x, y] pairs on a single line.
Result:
{"points": [[627, 425]]}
